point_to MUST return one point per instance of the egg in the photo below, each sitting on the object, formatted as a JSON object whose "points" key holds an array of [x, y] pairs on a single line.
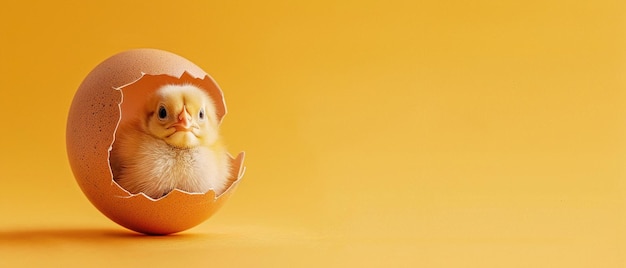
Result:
{"points": [[110, 94]]}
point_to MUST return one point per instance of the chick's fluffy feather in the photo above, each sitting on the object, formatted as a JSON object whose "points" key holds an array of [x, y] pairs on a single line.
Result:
{"points": [[143, 161]]}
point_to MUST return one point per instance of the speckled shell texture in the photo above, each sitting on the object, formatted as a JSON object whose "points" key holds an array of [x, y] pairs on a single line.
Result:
{"points": [[93, 119]]}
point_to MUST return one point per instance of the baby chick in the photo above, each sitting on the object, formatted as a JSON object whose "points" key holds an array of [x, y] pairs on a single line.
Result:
{"points": [[173, 145]]}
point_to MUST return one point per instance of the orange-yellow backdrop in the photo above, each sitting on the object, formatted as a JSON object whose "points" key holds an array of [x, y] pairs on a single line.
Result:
{"points": [[378, 133]]}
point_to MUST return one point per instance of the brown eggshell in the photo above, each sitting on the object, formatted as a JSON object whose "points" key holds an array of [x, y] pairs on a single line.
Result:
{"points": [[109, 96]]}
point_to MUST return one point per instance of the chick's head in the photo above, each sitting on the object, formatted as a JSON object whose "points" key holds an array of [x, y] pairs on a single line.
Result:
{"points": [[182, 115]]}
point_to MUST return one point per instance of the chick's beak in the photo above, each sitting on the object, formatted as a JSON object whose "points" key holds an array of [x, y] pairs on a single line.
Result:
{"points": [[184, 121]]}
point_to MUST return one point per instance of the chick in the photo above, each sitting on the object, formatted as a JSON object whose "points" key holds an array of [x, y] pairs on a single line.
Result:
{"points": [[173, 145]]}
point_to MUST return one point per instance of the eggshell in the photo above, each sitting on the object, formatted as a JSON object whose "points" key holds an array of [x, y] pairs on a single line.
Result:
{"points": [[107, 97]]}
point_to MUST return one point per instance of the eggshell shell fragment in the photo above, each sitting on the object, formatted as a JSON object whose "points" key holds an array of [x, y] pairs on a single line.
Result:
{"points": [[114, 88]]}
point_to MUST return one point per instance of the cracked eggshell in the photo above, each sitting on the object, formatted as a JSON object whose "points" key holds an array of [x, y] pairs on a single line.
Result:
{"points": [[106, 98]]}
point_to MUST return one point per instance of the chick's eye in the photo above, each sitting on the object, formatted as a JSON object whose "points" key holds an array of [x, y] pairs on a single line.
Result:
{"points": [[201, 113], [162, 112]]}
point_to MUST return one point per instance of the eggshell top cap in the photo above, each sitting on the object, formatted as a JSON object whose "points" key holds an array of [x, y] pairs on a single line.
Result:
{"points": [[129, 66]]}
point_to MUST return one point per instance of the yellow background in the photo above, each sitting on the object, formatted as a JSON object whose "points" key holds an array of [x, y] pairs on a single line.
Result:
{"points": [[378, 133]]}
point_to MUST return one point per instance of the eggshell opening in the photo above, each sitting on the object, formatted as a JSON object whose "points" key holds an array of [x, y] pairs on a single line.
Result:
{"points": [[115, 88], [134, 97]]}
